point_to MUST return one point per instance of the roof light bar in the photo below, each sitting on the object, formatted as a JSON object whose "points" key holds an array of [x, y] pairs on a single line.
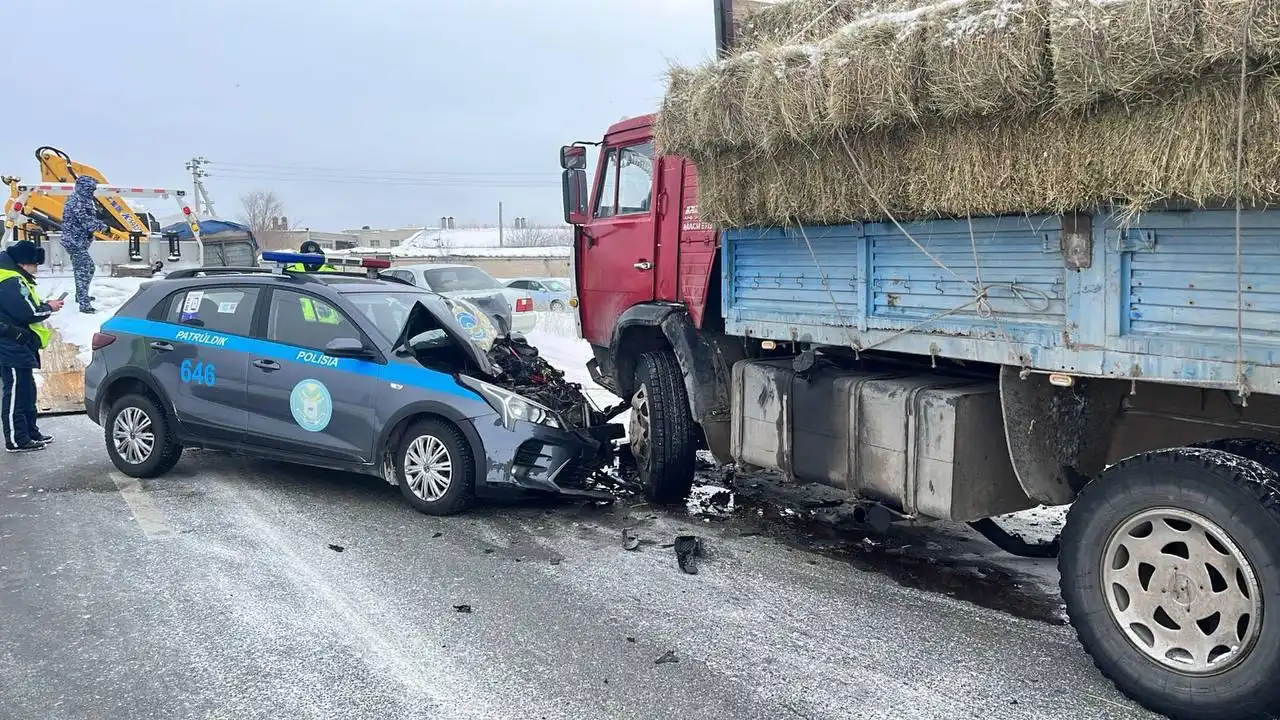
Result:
{"points": [[290, 258]]}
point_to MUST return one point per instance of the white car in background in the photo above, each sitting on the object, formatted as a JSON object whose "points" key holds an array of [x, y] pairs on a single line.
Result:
{"points": [[470, 283]]}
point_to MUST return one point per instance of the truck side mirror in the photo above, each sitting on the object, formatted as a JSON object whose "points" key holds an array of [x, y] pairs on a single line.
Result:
{"points": [[573, 157], [575, 196]]}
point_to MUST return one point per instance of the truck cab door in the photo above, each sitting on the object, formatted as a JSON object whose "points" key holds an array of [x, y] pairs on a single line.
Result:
{"points": [[617, 248]]}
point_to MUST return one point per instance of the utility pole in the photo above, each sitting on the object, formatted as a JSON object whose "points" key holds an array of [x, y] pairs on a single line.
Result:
{"points": [[500, 228], [199, 196]]}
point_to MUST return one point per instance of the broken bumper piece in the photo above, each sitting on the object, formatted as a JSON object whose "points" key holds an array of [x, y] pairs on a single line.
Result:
{"points": [[533, 457]]}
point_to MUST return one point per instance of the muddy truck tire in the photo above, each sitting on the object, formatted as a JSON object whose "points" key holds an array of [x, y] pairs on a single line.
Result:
{"points": [[662, 429], [1170, 569]]}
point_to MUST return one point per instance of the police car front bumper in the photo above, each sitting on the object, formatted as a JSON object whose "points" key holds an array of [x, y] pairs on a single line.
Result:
{"points": [[541, 458]]}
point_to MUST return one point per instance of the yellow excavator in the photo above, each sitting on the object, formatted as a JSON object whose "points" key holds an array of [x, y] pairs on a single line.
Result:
{"points": [[44, 212]]}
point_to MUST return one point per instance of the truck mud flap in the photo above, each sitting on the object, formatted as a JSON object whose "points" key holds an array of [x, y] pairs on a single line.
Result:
{"points": [[60, 379]]}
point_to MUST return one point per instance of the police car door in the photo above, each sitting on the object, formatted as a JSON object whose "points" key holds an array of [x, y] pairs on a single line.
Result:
{"points": [[301, 401], [196, 352]]}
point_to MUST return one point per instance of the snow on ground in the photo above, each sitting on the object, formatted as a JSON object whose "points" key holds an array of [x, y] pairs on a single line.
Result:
{"points": [[76, 327]]}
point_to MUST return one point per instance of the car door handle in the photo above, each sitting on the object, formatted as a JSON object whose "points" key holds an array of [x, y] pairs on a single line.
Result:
{"points": [[643, 265], [267, 365], [161, 346]]}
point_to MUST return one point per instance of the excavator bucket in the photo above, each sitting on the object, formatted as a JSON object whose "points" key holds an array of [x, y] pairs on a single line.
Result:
{"points": [[60, 379]]}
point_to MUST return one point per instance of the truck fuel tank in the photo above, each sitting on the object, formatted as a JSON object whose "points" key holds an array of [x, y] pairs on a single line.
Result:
{"points": [[929, 445]]}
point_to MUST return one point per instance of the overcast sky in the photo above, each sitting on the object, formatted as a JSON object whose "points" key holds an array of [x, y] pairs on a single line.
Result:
{"points": [[467, 100]]}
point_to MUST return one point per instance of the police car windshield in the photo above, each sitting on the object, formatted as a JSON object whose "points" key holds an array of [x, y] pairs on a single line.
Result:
{"points": [[389, 310]]}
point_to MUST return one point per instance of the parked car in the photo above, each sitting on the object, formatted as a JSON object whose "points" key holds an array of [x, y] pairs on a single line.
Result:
{"points": [[470, 283], [547, 293]]}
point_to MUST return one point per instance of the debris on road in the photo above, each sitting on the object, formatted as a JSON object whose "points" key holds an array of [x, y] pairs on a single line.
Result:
{"points": [[688, 548], [629, 541], [556, 560], [711, 501], [462, 608], [667, 657], [337, 548], [437, 534], [630, 639]]}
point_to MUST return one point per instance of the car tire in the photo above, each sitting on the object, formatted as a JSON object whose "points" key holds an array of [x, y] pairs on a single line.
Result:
{"points": [[557, 306], [139, 439], [1211, 509], [429, 442], [662, 429]]}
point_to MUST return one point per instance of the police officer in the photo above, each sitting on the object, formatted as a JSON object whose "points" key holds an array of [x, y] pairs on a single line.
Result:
{"points": [[79, 222], [311, 247], [23, 335]]}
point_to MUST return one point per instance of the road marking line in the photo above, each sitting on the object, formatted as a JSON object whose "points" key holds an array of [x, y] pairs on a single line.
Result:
{"points": [[149, 517]]}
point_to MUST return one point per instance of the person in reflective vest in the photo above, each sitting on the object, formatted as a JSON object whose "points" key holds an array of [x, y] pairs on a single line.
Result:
{"points": [[315, 311], [311, 247], [23, 335]]}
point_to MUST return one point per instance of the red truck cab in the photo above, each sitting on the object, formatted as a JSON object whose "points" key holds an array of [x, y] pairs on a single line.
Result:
{"points": [[646, 276]]}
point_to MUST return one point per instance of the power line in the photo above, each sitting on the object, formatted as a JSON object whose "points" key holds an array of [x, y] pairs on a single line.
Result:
{"points": [[404, 182], [268, 167]]}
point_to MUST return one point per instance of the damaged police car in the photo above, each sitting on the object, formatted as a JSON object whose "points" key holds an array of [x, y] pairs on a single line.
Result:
{"points": [[344, 371]]}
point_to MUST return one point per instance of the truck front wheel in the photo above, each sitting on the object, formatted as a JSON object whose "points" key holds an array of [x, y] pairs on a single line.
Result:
{"points": [[662, 427], [1170, 569]]}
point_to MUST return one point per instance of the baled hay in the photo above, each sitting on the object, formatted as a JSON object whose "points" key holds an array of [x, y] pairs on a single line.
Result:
{"points": [[801, 21], [872, 71], [1179, 150], [1222, 21], [786, 95], [1126, 49], [705, 111], [673, 129], [987, 57]]}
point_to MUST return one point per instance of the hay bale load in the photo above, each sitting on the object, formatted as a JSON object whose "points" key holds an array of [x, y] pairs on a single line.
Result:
{"points": [[860, 110]]}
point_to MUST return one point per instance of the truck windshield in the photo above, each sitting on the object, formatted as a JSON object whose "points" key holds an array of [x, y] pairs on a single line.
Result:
{"points": [[456, 279]]}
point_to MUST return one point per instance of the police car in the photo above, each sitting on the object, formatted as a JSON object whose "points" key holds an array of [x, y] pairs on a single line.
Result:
{"points": [[349, 371]]}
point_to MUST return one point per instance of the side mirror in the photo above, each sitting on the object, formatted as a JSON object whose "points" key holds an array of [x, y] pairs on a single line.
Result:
{"points": [[573, 157], [574, 183], [348, 348]]}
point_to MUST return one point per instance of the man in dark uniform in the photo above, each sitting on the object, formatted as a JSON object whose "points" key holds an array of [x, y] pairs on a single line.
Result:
{"points": [[79, 223], [23, 335]]}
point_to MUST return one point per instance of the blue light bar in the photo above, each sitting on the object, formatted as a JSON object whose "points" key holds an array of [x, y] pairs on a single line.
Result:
{"points": [[291, 257]]}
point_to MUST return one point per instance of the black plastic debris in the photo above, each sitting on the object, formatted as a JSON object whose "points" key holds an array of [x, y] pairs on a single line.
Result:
{"points": [[667, 657], [688, 549], [630, 639], [462, 608], [337, 548], [629, 541], [437, 534], [556, 560]]}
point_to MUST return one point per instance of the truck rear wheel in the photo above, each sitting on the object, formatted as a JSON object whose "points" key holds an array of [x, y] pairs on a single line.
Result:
{"points": [[1170, 561], [662, 439]]}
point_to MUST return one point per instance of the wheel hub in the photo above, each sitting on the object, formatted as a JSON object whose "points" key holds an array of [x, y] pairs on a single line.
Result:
{"points": [[133, 435], [1182, 591], [428, 467]]}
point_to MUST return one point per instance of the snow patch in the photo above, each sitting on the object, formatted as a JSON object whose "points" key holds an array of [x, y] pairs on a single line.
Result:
{"points": [[76, 327]]}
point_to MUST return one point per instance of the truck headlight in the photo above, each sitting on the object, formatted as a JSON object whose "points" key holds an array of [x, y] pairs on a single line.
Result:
{"points": [[511, 406]]}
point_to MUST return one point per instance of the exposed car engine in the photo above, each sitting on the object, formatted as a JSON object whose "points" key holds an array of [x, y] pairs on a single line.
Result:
{"points": [[525, 372]]}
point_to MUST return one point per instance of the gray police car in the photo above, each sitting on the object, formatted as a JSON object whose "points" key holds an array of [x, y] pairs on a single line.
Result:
{"points": [[343, 371]]}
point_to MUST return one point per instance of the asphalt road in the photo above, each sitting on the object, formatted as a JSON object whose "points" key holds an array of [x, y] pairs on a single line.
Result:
{"points": [[219, 592]]}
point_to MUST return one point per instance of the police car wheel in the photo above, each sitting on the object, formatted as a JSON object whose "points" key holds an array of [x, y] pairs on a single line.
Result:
{"points": [[434, 468], [138, 438]]}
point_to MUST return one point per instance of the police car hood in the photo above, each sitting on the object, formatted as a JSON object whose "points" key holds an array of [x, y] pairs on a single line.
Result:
{"points": [[464, 323]]}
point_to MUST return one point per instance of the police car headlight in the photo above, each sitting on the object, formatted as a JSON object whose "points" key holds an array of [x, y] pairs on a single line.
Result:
{"points": [[512, 407]]}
